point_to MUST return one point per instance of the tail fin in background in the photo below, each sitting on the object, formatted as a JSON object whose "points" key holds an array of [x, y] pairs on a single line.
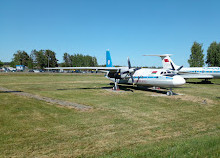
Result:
{"points": [[166, 61], [108, 59]]}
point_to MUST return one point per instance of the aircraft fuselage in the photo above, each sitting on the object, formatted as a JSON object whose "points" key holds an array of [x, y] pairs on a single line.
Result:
{"points": [[153, 77], [213, 71]]}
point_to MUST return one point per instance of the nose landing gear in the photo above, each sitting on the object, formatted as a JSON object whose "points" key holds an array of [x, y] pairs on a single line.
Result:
{"points": [[170, 92]]}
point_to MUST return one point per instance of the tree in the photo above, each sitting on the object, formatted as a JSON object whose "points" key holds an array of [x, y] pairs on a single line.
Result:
{"points": [[197, 56], [67, 60], [30, 63], [213, 54], [42, 58], [39, 59], [94, 61], [12, 64], [80, 60], [51, 58], [33, 57], [20, 58], [1, 63]]}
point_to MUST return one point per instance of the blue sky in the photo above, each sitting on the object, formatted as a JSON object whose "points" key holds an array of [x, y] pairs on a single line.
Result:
{"points": [[125, 27]]}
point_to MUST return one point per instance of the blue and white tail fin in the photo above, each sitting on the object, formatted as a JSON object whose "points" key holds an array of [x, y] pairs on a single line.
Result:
{"points": [[166, 61], [108, 59]]}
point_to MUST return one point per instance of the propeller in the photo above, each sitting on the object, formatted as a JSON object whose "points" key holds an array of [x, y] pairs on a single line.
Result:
{"points": [[176, 71], [131, 71]]}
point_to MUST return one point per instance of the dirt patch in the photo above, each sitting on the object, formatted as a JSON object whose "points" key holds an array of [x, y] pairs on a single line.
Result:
{"points": [[114, 91], [195, 99], [48, 100]]}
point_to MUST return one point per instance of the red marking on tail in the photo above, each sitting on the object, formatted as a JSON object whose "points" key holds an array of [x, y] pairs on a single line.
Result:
{"points": [[166, 60]]}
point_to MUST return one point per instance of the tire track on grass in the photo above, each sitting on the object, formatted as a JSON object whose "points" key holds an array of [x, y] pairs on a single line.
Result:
{"points": [[48, 100]]}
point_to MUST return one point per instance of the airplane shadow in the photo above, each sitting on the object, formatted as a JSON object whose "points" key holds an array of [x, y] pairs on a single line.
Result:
{"points": [[125, 88], [140, 88], [63, 89], [201, 82], [144, 88], [120, 87], [10, 91]]}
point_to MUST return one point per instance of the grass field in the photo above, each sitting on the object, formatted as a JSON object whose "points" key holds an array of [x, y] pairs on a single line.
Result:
{"points": [[129, 123]]}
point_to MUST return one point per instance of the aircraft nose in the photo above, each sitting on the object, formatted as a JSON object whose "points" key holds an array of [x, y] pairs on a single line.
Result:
{"points": [[178, 81]]}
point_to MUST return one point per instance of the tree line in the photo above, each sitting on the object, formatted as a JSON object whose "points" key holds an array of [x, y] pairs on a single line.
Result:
{"points": [[47, 58], [197, 57], [37, 59], [78, 60]]}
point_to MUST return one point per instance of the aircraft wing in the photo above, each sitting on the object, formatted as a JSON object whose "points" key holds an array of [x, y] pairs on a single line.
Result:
{"points": [[186, 74], [199, 76], [112, 69]]}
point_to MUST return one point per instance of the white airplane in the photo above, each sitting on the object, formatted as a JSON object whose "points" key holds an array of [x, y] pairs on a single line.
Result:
{"points": [[138, 76], [189, 72]]}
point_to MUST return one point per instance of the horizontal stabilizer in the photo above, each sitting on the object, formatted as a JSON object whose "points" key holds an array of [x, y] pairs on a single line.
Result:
{"points": [[159, 55], [166, 61]]}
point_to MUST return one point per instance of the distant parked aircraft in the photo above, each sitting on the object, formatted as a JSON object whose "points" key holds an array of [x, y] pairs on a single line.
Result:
{"points": [[138, 76], [189, 72]]}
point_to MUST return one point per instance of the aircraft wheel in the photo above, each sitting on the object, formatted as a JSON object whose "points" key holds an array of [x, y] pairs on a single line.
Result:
{"points": [[169, 93]]}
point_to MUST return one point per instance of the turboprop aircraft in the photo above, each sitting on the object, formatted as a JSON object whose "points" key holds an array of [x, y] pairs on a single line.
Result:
{"points": [[189, 72], [136, 76]]}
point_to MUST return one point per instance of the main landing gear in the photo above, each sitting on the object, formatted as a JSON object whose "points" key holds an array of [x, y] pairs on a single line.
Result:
{"points": [[206, 81], [116, 87], [170, 92]]}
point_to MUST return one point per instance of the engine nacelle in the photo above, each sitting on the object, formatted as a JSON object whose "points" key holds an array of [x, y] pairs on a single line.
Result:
{"points": [[118, 75]]}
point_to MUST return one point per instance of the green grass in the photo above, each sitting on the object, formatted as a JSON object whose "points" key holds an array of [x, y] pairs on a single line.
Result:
{"points": [[203, 146], [124, 124]]}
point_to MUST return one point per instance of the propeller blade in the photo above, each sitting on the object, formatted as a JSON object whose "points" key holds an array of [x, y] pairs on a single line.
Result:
{"points": [[138, 68], [180, 68], [125, 72], [172, 66], [129, 63], [131, 71], [132, 79]]}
